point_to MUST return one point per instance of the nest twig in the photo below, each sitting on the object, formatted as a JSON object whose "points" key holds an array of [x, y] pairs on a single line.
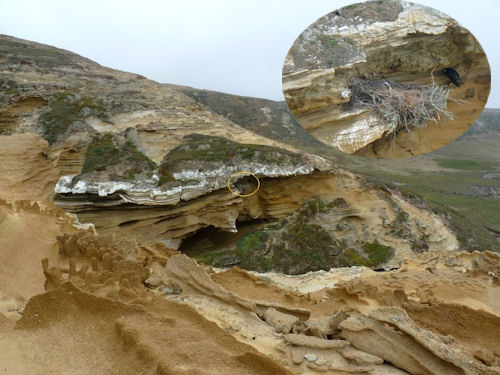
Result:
{"points": [[401, 106]]}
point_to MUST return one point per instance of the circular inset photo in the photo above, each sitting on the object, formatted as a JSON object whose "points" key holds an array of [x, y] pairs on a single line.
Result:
{"points": [[386, 79]]}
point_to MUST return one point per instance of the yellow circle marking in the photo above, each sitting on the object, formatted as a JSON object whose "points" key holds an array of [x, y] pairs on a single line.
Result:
{"points": [[243, 195]]}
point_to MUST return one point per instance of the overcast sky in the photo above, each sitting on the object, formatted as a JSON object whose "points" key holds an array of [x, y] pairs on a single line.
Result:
{"points": [[230, 46]]}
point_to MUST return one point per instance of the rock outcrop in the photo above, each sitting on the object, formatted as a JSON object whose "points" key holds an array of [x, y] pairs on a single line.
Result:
{"points": [[389, 334], [337, 232], [388, 220]]}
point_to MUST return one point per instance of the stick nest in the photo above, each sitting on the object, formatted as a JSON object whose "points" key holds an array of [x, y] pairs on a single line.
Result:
{"points": [[401, 106]]}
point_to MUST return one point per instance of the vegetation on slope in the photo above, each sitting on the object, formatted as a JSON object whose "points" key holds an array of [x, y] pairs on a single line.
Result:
{"points": [[460, 212], [448, 193], [23, 53], [65, 109], [462, 164], [267, 118], [296, 246], [104, 152], [217, 151]]}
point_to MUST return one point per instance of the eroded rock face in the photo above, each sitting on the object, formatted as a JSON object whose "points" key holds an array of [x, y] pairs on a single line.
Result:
{"points": [[387, 330], [329, 233], [388, 222], [26, 173], [100, 289], [392, 41], [179, 191]]}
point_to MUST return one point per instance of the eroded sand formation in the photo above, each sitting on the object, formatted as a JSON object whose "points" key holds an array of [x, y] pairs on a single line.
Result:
{"points": [[78, 300], [116, 307]]}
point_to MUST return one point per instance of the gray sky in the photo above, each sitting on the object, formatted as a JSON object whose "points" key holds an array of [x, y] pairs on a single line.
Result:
{"points": [[230, 46]]}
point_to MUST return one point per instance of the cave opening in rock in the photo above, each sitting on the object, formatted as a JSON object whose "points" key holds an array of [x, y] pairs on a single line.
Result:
{"points": [[212, 239]]}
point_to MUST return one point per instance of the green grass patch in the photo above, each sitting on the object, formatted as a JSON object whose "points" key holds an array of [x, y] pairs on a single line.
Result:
{"points": [[250, 248], [102, 152], [463, 164], [377, 253], [215, 258], [481, 210], [328, 41], [162, 180], [374, 254]]}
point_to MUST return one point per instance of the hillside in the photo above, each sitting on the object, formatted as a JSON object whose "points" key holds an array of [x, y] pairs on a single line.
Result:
{"points": [[149, 228]]}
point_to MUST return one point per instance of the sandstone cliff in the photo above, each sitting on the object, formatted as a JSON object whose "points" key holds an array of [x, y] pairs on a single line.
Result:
{"points": [[152, 161]]}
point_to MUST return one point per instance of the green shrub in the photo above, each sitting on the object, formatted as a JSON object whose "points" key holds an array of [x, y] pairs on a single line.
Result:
{"points": [[250, 251], [16, 52], [103, 152], [162, 180], [377, 253]]}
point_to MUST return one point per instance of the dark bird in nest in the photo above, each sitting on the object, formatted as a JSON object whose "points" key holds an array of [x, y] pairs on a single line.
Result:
{"points": [[453, 76]]}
